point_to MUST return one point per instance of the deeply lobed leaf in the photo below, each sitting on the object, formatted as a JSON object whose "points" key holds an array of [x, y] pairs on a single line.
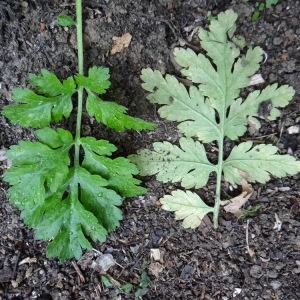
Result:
{"points": [[196, 115], [211, 110], [113, 115], [188, 165], [51, 101], [247, 164], [118, 172], [63, 204], [97, 80], [188, 207]]}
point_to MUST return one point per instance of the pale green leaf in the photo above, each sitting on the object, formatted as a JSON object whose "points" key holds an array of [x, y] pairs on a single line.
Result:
{"points": [[257, 164], [114, 115], [212, 110], [188, 207], [235, 123], [188, 164], [269, 3], [222, 80], [197, 116]]}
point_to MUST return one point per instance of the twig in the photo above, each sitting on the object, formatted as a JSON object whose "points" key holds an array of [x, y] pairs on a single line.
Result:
{"points": [[247, 239], [78, 271]]}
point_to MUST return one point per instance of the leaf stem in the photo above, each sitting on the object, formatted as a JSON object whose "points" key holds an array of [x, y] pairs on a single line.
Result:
{"points": [[219, 180], [80, 71], [222, 115]]}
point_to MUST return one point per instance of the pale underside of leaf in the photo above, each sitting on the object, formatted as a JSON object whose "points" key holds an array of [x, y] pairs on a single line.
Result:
{"points": [[188, 207], [197, 117], [257, 164], [188, 164], [236, 122]]}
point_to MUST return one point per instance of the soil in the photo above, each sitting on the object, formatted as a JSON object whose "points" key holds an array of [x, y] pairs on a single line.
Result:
{"points": [[193, 264]]}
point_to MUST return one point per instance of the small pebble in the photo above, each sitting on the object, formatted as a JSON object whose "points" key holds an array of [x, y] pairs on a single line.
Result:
{"points": [[24, 4]]}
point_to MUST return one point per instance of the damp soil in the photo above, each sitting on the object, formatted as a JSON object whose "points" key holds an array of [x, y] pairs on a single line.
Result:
{"points": [[194, 264]]}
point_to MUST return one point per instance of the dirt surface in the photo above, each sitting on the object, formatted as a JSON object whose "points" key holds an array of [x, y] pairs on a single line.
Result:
{"points": [[194, 264]]}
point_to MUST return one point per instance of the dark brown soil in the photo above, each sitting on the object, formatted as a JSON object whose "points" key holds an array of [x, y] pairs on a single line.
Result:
{"points": [[194, 264]]}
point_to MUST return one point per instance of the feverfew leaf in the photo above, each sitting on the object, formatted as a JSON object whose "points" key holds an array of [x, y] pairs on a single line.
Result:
{"points": [[81, 207], [36, 168], [64, 20], [188, 207], [97, 80], [68, 225], [101, 201], [188, 165], [118, 172], [101, 147], [113, 115], [180, 105], [212, 110], [247, 164], [48, 84], [52, 138], [49, 102], [235, 123]]}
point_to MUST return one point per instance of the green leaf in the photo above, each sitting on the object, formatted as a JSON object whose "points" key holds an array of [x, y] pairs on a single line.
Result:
{"points": [[106, 281], [255, 16], [145, 280], [210, 109], [101, 201], [50, 101], [235, 123], [179, 105], [257, 164], [69, 224], [64, 20], [101, 147], [126, 287], [52, 138], [35, 166], [188, 207], [118, 172], [113, 115], [97, 80], [188, 165], [49, 85], [269, 3]]}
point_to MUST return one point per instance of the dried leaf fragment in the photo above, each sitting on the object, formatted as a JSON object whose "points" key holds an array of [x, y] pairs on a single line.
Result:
{"points": [[121, 43], [233, 205], [155, 254]]}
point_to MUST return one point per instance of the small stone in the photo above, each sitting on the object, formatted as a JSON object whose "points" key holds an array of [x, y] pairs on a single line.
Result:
{"points": [[105, 261], [24, 4], [256, 271], [273, 274], [277, 41], [275, 284]]}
